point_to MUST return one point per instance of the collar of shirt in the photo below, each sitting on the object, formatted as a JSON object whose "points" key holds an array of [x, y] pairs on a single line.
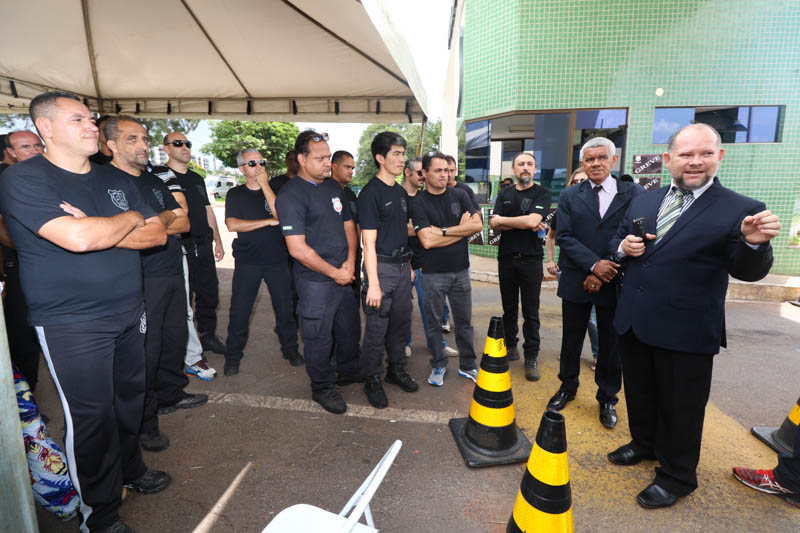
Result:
{"points": [[697, 192], [606, 194]]}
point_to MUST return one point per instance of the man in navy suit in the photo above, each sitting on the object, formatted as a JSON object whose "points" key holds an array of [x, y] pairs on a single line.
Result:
{"points": [[671, 312], [588, 217]]}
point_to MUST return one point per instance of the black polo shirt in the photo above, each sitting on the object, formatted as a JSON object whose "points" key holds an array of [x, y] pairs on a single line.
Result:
{"points": [[61, 286], [194, 188], [384, 208], [277, 183], [442, 211], [262, 246], [319, 213], [467, 189], [166, 260], [352, 202], [512, 202]]}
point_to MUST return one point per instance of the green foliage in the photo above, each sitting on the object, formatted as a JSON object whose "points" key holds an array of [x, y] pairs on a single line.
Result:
{"points": [[16, 122], [272, 139], [196, 168], [157, 128], [365, 166]]}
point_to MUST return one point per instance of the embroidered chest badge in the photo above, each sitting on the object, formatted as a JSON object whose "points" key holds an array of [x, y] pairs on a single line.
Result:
{"points": [[118, 198], [337, 204]]}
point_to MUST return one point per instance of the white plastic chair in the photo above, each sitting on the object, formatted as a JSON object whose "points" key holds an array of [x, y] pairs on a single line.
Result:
{"points": [[309, 519]]}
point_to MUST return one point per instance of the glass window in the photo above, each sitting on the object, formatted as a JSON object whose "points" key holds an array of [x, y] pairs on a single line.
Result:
{"points": [[735, 124], [476, 163], [601, 119]]}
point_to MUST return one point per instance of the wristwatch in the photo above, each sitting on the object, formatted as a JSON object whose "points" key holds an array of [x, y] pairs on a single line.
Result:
{"points": [[444, 231]]}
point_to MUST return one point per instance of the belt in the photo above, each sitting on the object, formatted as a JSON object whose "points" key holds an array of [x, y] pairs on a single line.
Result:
{"points": [[517, 255], [402, 255]]}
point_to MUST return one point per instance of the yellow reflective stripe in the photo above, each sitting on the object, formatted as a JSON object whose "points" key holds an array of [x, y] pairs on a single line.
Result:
{"points": [[494, 347], [496, 418], [549, 468], [794, 416], [492, 382], [529, 518]]}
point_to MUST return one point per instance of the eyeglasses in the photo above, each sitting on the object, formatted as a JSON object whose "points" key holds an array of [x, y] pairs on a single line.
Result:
{"points": [[253, 162], [178, 144], [319, 137]]}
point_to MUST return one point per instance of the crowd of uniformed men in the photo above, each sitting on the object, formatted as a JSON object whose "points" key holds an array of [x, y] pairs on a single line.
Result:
{"points": [[110, 253]]}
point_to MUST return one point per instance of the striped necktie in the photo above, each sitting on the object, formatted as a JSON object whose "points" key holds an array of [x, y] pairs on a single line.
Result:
{"points": [[670, 214]]}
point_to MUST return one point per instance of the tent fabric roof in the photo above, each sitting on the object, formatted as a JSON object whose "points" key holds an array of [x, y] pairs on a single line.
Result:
{"points": [[293, 60]]}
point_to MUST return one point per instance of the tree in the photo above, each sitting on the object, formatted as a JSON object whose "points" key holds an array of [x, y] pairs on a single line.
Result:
{"points": [[16, 122], [157, 128], [272, 139], [365, 167]]}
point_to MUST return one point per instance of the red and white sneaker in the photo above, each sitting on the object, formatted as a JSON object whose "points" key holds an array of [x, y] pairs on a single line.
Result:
{"points": [[762, 480]]}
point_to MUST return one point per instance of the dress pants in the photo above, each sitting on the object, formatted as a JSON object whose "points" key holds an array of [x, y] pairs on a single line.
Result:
{"points": [[203, 283], [98, 367], [246, 282], [521, 276], [608, 374], [165, 346], [666, 393], [387, 327], [22, 341], [327, 311]]}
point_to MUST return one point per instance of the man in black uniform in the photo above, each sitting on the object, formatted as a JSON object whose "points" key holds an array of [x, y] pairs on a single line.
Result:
{"points": [[78, 229], [443, 218], [22, 343], [383, 214], [452, 181], [164, 294], [291, 172], [342, 167], [260, 254], [203, 282], [321, 237], [518, 213]]}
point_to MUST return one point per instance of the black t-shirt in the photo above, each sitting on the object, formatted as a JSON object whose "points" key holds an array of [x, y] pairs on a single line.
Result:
{"points": [[62, 286], [262, 246], [9, 254], [318, 212], [166, 260], [100, 158], [413, 242], [384, 208], [278, 182], [352, 202], [443, 211], [467, 189], [194, 188], [512, 202]]}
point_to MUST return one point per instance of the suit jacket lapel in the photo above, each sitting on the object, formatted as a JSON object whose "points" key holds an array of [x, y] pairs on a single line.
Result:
{"points": [[697, 207], [587, 195], [618, 201]]}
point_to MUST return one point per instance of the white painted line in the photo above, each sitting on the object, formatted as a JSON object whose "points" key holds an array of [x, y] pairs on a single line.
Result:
{"points": [[359, 411], [210, 519]]}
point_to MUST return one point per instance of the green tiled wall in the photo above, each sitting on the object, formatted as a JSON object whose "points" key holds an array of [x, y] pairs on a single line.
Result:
{"points": [[566, 54]]}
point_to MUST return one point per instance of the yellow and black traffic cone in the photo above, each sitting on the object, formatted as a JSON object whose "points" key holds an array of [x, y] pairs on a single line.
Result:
{"points": [[544, 500], [490, 436], [781, 439]]}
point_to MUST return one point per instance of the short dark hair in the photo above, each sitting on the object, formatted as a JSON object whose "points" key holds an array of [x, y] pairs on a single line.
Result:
{"points": [[451, 159], [509, 180], [430, 156], [520, 154], [43, 103], [411, 161], [383, 142], [338, 155], [301, 143], [292, 153], [3, 143], [111, 127], [102, 118]]}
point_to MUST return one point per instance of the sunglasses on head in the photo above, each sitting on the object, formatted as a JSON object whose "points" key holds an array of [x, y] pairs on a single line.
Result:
{"points": [[253, 162], [319, 137], [178, 144]]}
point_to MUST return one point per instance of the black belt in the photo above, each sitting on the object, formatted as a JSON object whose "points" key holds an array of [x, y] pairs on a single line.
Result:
{"points": [[402, 255], [517, 255]]}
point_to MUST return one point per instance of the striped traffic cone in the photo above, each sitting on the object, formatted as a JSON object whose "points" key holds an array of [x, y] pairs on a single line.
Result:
{"points": [[544, 500], [781, 439], [490, 436]]}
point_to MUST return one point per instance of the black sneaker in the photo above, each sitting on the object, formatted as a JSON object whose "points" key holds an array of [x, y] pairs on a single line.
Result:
{"points": [[398, 375], [374, 391], [231, 367], [532, 370], [187, 402], [151, 482], [116, 527], [154, 442], [211, 342], [330, 400], [512, 353], [294, 358]]}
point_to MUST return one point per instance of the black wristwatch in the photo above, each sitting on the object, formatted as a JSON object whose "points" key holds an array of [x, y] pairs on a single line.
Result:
{"points": [[444, 231]]}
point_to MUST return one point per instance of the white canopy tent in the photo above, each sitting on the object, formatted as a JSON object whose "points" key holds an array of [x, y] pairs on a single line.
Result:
{"points": [[287, 60]]}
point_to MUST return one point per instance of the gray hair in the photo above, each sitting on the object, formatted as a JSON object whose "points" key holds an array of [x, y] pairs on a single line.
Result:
{"points": [[240, 155], [111, 126], [596, 143]]}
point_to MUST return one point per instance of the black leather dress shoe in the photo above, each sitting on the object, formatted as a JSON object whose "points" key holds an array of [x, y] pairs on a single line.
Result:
{"points": [[608, 415], [559, 400], [627, 456], [656, 497]]}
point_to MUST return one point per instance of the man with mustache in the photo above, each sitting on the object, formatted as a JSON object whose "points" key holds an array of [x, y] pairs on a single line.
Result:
{"points": [[518, 213]]}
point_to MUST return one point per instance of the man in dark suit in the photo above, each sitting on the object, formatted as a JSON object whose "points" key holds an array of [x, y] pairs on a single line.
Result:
{"points": [[588, 217], [671, 313]]}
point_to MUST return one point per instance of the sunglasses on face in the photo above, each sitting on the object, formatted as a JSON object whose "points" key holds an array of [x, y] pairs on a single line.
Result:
{"points": [[253, 162], [178, 144]]}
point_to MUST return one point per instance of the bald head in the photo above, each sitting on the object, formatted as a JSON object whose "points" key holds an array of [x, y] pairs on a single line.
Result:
{"points": [[23, 145], [693, 128]]}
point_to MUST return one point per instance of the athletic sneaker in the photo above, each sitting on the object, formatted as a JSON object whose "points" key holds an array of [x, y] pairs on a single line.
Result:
{"points": [[450, 352], [762, 480], [469, 374], [201, 370], [436, 378]]}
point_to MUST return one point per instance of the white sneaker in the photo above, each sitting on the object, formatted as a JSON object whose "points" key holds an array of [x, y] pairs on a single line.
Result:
{"points": [[469, 374], [450, 352], [436, 377], [201, 370], [408, 351]]}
